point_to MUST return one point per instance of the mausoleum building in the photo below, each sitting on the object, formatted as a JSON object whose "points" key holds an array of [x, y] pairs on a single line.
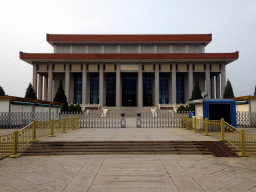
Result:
{"points": [[128, 70]]}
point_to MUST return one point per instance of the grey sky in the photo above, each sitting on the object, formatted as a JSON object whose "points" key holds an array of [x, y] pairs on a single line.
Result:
{"points": [[24, 25]]}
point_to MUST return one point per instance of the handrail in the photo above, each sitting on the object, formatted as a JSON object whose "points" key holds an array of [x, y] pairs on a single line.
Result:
{"points": [[243, 141], [11, 144]]}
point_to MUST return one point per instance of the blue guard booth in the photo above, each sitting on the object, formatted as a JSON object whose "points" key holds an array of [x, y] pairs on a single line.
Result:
{"points": [[215, 109]]}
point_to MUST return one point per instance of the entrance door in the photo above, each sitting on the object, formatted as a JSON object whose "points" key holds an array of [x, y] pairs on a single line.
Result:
{"points": [[129, 89]]}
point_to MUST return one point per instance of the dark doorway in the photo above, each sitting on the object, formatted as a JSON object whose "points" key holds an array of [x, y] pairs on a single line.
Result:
{"points": [[180, 88], [129, 89], [111, 89], [147, 89], [218, 111]]}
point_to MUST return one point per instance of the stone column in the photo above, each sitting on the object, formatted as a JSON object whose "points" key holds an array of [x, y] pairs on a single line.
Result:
{"points": [[84, 84], [173, 83], [140, 85], [223, 79], [208, 81], [40, 86], [35, 78], [50, 80], [190, 80], [218, 86], [101, 93], [118, 86], [156, 84], [45, 88], [213, 87], [67, 82]]}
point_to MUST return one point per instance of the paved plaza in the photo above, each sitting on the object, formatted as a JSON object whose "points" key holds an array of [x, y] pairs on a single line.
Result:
{"points": [[184, 173]]}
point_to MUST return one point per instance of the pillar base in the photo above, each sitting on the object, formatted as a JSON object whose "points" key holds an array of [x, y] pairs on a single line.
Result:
{"points": [[51, 136], [14, 155], [242, 154]]}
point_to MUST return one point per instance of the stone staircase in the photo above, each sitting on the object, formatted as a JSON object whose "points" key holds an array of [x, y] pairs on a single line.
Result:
{"points": [[116, 148], [130, 112]]}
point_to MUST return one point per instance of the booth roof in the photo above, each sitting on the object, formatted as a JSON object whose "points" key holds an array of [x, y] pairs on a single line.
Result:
{"points": [[200, 101], [28, 100]]}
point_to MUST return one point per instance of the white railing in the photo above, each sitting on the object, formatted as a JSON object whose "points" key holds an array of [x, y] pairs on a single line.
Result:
{"points": [[153, 111], [104, 113]]}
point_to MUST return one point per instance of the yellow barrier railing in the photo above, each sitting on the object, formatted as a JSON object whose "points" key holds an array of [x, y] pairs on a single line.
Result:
{"points": [[244, 142], [11, 144], [250, 143], [6, 145], [232, 135]]}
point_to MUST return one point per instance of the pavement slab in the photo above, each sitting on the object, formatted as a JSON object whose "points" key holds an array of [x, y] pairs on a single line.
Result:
{"points": [[183, 173], [129, 134]]}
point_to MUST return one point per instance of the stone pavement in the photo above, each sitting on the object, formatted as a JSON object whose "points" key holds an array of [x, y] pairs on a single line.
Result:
{"points": [[183, 173], [129, 134], [128, 173]]}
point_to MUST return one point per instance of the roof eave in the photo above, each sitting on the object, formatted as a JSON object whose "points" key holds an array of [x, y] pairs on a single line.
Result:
{"points": [[69, 38]]}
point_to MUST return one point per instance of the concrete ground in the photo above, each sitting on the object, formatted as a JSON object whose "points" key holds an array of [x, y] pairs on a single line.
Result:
{"points": [[129, 134], [128, 173], [183, 173]]}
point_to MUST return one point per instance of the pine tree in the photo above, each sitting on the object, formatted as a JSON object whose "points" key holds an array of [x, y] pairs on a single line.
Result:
{"points": [[196, 93], [2, 93], [228, 93], [255, 91], [30, 93], [60, 97]]}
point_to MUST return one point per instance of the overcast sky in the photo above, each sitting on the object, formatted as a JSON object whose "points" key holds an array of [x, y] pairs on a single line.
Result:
{"points": [[24, 25]]}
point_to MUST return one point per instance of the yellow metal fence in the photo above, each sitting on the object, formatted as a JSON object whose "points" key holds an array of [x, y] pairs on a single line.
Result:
{"points": [[244, 142], [11, 144]]}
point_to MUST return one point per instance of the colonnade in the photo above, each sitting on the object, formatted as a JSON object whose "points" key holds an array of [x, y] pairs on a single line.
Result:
{"points": [[43, 83]]}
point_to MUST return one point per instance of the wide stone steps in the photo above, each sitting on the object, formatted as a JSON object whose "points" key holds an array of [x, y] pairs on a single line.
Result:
{"points": [[113, 147], [130, 112]]}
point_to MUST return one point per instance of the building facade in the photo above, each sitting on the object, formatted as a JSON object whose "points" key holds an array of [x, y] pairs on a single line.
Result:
{"points": [[128, 70]]}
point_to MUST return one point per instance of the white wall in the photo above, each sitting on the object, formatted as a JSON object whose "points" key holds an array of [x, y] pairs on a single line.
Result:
{"points": [[21, 108], [129, 48], [179, 49], [79, 49], [147, 48], [110, 48], [253, 105], [243, 107], [4, 106], [163, 49], [195, 48], [95, 49], [63, 49], [199, 110]]}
